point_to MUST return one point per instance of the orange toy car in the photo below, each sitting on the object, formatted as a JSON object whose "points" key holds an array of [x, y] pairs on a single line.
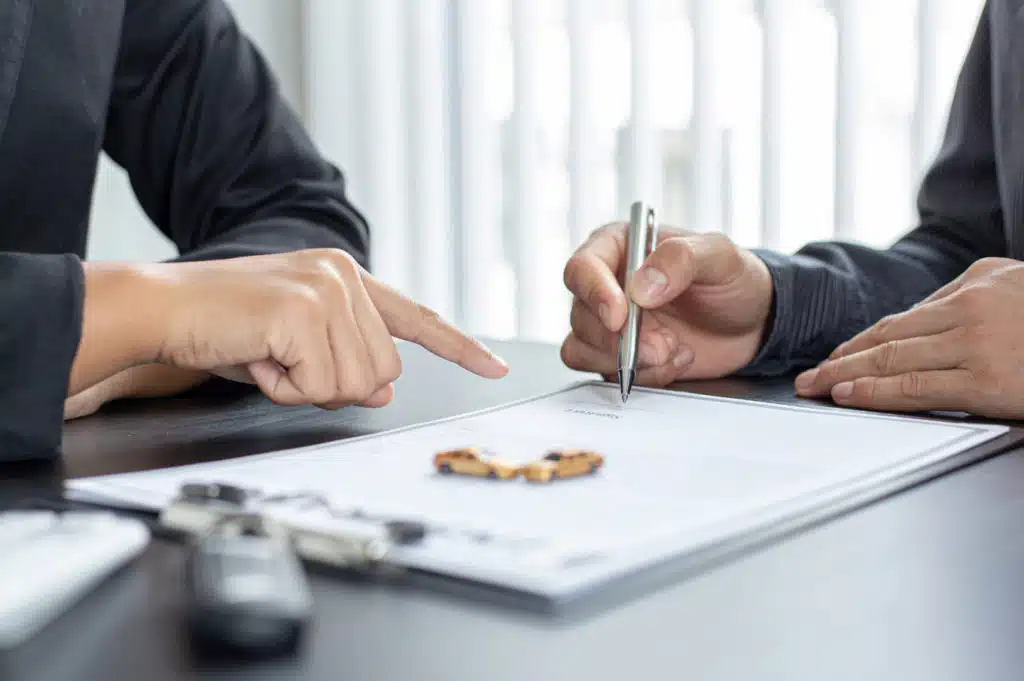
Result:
{"points": [[473, 461], [565, 463]]}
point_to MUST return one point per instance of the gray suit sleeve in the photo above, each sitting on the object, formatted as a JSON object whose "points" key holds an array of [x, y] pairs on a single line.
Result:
{"points": [[828, 292]]}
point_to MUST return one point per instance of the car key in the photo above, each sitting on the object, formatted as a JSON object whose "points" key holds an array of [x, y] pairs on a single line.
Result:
{"points": [[247, 592]]}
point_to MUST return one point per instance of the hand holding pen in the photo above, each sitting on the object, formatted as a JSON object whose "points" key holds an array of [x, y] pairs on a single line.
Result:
{"points": [[702, 306]]}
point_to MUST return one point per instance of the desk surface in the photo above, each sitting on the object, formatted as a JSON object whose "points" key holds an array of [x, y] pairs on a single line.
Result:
{"points": [[928, 584]]}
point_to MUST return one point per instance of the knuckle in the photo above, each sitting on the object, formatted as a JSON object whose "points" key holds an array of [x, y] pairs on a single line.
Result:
{"points": [[574, 272], [342, 260], [720, 242], [675, 254], [865, 390], [829, 372], [353, 386], [576, 316], [322, 395], [885, 358], [608, 228], [883, 326], [579, 322], [979, 266], [986, 265], [320, 391], [305, 302], [345, 263], [391, 368], [972, 298], [912, 385], [331, 264], [570, 357]]}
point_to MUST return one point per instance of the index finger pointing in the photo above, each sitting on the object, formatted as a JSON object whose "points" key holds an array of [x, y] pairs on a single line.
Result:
{"points": [[419, 324]]}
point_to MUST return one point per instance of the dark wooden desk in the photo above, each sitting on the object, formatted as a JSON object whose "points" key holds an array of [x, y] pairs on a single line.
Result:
{"points": [[928, 584]]}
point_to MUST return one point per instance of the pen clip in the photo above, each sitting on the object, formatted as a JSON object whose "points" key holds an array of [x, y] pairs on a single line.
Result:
{"points": [[652, 233]]}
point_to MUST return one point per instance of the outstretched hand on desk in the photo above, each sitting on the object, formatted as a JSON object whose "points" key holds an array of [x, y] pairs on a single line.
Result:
{"points": [[961, 349], [706, 304], [307, 327]]}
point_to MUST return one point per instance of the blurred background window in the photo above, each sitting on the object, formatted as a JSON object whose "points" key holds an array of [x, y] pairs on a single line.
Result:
{"points": [[485, 138]]}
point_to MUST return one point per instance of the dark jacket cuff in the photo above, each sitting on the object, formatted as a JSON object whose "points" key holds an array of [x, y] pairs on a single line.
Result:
{"points": [[41, 299], [273, 235], [814, 309]]}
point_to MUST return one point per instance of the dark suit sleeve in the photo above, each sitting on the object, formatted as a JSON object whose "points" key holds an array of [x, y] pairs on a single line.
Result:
{"points": [[41, 307], [218, 160], [828, 292]]}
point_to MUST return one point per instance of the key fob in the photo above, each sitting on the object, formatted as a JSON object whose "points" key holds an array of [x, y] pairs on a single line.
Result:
{"points": [[247, 593]]}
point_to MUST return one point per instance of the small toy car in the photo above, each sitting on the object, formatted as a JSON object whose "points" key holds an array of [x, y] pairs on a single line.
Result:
{"points": [[476, 462], [565, 463]]}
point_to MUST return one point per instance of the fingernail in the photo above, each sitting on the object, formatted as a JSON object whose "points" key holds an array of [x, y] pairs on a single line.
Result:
{"points": [[805, 380], [650, 283], [683, 358], [647, 354], [842, 391], [605, 313]]}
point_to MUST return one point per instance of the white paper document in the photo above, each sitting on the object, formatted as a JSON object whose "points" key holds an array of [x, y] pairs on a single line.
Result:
{"points": [[681, 472]]}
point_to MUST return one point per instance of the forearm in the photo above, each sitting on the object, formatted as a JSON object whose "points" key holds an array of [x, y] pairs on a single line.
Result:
{"points": [[143, 381], [120, 324]]}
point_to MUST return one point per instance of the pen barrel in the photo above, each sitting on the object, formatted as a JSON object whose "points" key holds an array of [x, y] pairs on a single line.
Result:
{"points": [[629, 341], [640, 239]]}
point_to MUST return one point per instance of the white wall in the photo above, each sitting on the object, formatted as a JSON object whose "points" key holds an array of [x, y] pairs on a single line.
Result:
{"points": [[120, 230]]}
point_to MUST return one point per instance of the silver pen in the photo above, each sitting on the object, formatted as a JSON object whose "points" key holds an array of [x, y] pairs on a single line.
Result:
{"points": [[640, 240]]}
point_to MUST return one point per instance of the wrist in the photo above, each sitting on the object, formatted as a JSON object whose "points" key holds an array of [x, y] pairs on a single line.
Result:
{"points": [[123, 312]]}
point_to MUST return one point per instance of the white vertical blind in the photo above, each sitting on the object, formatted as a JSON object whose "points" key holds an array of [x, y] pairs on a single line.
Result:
{"points": [[385, 139], [479, 170], [706, 129], [528, 231], [849, 118], [408, 98], [772, 14], [333, 114], [429, 189], [582, 121], [928, 110], [645, 168]]}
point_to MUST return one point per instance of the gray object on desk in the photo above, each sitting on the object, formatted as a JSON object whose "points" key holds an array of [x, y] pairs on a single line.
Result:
{"points": [[924, 585]]}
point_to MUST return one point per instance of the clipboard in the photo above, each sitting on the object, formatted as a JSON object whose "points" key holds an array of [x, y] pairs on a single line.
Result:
{"points": [[666, 556]]}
